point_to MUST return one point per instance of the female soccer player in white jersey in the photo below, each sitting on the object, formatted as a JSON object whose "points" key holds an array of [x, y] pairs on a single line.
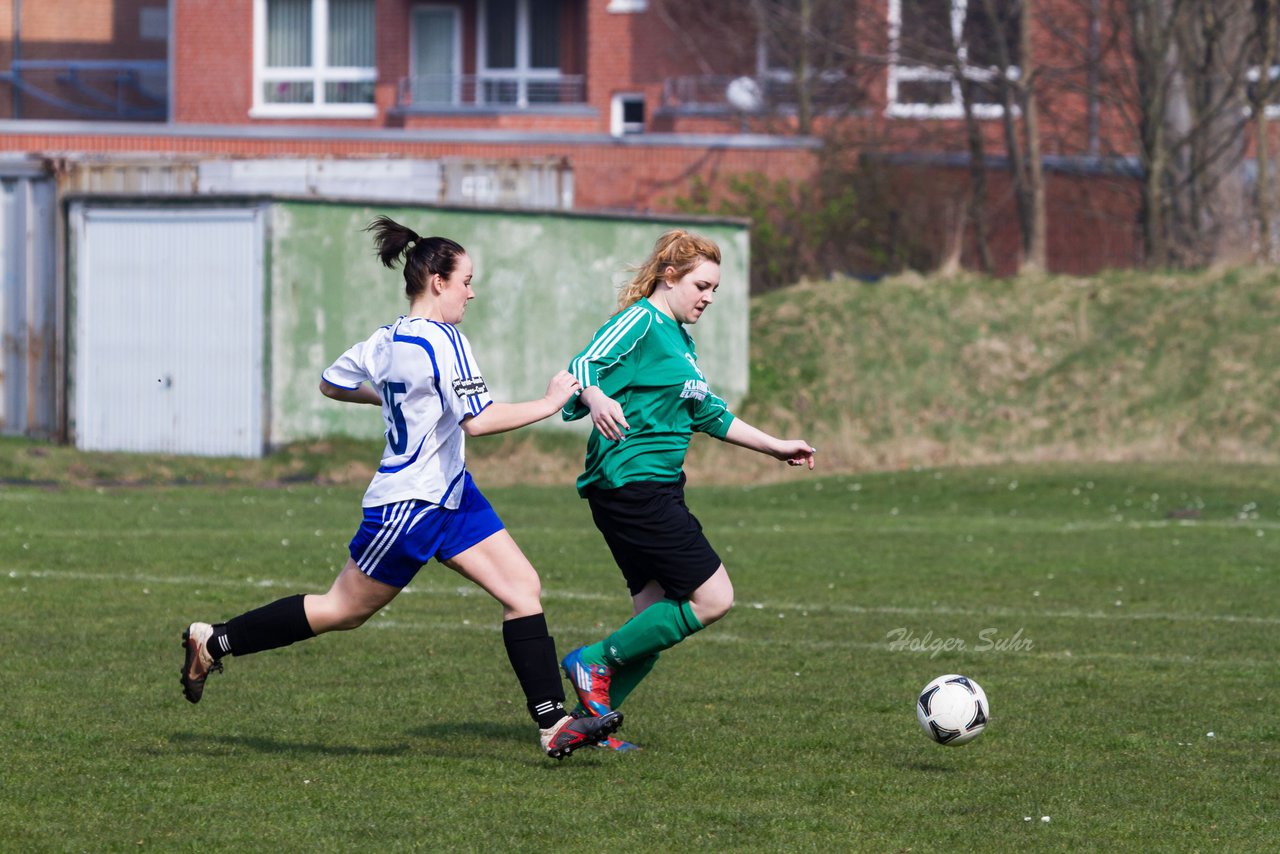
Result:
{"points": [[645, 394], [421, 502]]}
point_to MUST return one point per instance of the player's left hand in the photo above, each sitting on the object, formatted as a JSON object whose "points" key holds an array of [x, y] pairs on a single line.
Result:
{"points": [[797, 452]]}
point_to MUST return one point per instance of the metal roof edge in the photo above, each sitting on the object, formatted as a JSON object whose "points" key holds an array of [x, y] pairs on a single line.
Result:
{"points": [[134, 199], [35, 127]]}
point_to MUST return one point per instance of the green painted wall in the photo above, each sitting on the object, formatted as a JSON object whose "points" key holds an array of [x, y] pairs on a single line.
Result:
{"points": [[544, 283]]}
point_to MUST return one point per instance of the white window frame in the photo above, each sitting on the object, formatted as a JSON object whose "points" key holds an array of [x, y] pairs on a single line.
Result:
{"points": [[900, 73], [318, 74], [522, 74], [456, 71], [1254, 73], [617, 108]]}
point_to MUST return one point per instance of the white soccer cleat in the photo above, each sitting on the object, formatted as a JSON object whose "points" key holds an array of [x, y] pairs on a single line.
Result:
{"points": [[199, 663]]}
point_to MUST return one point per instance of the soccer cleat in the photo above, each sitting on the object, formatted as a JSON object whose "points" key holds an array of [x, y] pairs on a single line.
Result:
{"points": [[590, 681], [609, 743], [199, 663], [616, 744], [572, 733]]}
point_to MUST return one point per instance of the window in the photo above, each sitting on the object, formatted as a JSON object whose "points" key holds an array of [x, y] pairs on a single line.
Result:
{"points": [[520, 52], [627, 114], [930, 38], [436, 55], [314, 58], [1265, 88]]}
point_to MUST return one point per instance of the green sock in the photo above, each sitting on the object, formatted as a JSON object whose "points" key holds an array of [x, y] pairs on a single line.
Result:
{"points": [[625, 679], [660, 626]]}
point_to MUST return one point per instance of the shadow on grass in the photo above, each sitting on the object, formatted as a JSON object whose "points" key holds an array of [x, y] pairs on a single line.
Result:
{"points": [[455, 731], [929, 768], [226, 744], [523, 739]]}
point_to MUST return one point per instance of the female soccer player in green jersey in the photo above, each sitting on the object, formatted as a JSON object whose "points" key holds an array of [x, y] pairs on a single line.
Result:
{"points": [[645, 395]]}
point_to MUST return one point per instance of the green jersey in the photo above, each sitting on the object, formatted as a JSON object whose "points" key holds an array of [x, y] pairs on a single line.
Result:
{"points": [[645, 361]]}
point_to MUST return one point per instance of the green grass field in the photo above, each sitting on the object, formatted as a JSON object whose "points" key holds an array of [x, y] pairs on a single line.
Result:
{"points": [[1122, 619]]}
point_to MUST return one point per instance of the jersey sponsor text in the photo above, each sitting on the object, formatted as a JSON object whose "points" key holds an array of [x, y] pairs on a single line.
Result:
{"points": [[696, 389], [469, 386]]}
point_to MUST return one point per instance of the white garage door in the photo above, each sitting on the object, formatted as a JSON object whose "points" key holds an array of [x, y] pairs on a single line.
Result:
{"points": [[167, 307]]}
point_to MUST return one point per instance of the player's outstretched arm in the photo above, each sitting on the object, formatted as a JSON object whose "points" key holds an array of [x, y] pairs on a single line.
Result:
{"points": [[501, 417], [360, 394], [795, 452]]}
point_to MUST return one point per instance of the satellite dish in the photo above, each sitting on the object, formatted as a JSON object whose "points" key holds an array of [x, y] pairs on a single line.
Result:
{"points": [[743, 94]]}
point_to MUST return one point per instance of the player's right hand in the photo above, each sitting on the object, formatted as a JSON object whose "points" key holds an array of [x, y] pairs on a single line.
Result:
{"points": [[606, 414], [562, 387]]}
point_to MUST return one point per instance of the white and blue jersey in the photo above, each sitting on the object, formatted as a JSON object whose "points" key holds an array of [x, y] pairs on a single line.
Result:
{"points": [[421, 502], [429, 382]]}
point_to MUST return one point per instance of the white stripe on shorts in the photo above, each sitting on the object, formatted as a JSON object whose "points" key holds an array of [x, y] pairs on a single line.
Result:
{"points": [[377, 548], [390, 533]]}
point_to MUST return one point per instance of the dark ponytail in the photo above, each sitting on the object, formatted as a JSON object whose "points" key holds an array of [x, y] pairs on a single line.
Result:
{"points": [[423, 256]]}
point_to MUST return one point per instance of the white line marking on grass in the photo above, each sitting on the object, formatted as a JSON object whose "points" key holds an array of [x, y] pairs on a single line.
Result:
{"points": [[718, 636], [1010, 612], [311, 585]]}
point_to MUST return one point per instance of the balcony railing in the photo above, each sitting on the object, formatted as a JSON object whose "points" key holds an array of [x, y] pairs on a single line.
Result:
{"points": [[489, 91], [97, 89], [711, 94]]}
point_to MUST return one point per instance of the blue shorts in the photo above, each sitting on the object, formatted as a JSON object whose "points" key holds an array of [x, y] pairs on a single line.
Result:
{"points": [[395, 540]]}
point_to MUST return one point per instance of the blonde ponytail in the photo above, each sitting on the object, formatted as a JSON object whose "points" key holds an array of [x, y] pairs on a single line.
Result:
{"points": [[681, 250]]}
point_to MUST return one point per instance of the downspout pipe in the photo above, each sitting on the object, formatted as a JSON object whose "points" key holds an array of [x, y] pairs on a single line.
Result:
{"points": [[17, 56]]}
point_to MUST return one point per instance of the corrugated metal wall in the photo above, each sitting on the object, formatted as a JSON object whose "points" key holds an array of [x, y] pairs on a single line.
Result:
{"points": [[534, 183], [30, 373], [167, 340]]}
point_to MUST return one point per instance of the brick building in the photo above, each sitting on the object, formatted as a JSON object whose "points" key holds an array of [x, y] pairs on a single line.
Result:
{"points": [[612, 104]]}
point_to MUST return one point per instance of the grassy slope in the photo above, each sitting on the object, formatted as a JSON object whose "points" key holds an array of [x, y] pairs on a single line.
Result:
{"points": [[1131, 366]]}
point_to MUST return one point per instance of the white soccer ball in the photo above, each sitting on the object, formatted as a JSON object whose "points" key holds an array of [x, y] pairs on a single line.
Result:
{"points": [[952, 709]]}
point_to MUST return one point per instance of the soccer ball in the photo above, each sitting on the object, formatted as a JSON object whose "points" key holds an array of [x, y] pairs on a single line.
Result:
{"points": [[952, 709]]}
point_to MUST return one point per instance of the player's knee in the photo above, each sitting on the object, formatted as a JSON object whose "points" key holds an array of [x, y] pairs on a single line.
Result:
{"points": [[718, 608], [712, 605], [522, 597], [353, 620], [524, 602]]}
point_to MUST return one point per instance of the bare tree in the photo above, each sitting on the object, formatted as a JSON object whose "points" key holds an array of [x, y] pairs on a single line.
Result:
{"points": [[1212, 208], [977, 173], [983, 50], [1015, 84], [1265, 51], [1190, 64]]}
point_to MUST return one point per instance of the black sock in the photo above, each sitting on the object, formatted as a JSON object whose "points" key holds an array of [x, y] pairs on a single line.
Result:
{"points": [[218, 643], [533, 657], [281, 623]]}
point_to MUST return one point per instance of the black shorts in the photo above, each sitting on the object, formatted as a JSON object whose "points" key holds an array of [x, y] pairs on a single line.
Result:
{"points": [[654, 537]]}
